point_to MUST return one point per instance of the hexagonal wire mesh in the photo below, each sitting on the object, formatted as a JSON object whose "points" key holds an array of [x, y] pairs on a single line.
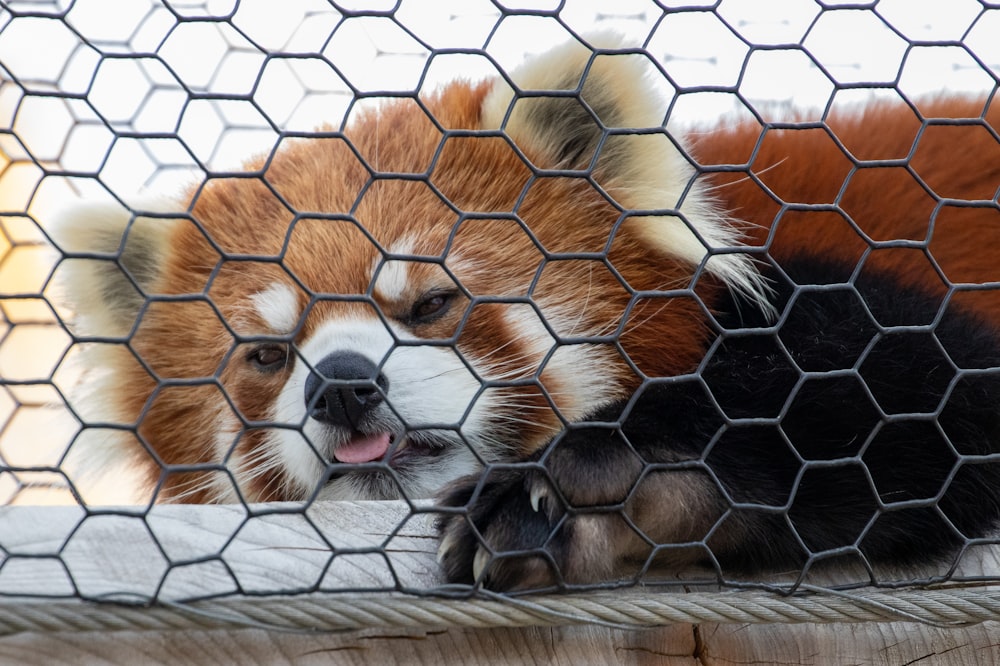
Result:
{"points": [[103, 100]]}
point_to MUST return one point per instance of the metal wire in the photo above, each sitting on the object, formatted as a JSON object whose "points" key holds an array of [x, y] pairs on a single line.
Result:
{"points": [[68, 130]]}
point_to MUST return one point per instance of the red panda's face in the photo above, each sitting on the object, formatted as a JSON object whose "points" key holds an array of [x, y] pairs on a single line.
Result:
{"points": [[375, 313], [391, 324]]}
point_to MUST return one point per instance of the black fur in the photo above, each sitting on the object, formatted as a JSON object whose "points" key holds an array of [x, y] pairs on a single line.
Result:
{"points": [[791, 465]]}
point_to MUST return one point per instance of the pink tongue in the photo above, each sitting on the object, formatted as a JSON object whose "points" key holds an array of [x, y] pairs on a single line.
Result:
{"points": [[363, 449]]}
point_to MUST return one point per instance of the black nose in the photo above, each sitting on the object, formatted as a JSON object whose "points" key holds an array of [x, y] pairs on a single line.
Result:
{"points": [[343, 388]]}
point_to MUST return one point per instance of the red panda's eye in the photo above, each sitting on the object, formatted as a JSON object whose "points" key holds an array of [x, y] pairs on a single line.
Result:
{"points": [[431, 306], [268, 358]]}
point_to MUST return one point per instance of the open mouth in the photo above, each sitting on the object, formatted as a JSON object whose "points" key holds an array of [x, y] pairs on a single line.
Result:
{"points": [[363, 448], [368, 448]]}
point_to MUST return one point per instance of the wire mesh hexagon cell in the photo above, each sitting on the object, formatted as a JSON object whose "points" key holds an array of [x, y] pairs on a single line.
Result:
{"points": [[675, 295]]}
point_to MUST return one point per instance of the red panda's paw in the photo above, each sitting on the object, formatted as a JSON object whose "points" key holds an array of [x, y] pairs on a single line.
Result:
{"points": [[500, 540], [560, 521]]}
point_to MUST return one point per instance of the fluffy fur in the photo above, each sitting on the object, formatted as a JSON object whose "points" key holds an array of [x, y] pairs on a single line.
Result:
{"points": [[749, 348]]}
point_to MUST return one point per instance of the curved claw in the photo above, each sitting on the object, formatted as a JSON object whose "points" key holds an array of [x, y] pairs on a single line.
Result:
{"points": [[479, 562], [539, 492], [447, 542]]}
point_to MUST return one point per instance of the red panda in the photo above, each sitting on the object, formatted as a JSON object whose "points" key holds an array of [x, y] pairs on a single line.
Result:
{"points": [[750, 346]]}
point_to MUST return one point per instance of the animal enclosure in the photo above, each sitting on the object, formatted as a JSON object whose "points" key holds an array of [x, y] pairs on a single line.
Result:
{"points": [[134, 104]]}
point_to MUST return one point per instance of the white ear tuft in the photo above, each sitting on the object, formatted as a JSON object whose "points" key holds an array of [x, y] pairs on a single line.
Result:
{"points": [[112, 259], [643, 170], [614, 87]]}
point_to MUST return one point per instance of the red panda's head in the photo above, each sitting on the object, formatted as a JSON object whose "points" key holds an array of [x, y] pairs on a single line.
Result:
{"points": [[374, 312]]}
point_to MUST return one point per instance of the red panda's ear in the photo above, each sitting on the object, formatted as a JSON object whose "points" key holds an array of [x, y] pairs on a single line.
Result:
{"points": [[597, 107], [567, 97], [113, 258]]}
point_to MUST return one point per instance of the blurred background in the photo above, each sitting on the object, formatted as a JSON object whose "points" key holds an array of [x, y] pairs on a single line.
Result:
{"points": [[107, 99]]}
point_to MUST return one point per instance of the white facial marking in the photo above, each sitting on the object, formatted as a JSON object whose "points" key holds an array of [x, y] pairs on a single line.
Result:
{"points": [[588, 369], [278, 307], [464, 268], [530, 332], [394, 275]]}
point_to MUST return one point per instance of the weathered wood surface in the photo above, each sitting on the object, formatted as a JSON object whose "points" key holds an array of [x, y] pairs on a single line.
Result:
{"points": [[179, 553], [888, 644]]}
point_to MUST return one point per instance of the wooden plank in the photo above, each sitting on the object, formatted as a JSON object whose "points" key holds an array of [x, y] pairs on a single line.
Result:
{"points": [[181, 552], [888, 644], [178, 552], [567, 646]]}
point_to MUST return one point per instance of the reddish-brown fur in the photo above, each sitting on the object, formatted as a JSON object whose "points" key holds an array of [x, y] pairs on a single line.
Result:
{"points": [[250, 237], [885, 201], [316, 215]]}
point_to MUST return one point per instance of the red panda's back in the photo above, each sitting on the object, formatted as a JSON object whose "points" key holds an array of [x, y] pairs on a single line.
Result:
{"points": [[919, 201]]}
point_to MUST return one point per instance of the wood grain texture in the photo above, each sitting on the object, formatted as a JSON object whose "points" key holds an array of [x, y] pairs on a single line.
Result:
{"points": [[181, 552], [678, 645], [569, 646]]}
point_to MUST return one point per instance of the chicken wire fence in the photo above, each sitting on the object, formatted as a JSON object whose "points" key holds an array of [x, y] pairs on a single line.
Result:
{"points": [[101, 100]]}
